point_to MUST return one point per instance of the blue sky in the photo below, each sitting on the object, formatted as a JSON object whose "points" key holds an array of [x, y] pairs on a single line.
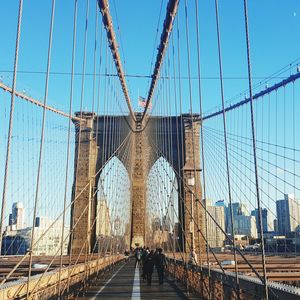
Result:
{"points": [[274, 32]]}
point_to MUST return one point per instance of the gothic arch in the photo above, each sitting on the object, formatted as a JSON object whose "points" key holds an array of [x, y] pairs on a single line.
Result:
{"points": [[159, 138]]}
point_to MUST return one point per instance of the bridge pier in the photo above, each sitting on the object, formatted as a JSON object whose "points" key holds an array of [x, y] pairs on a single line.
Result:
{"points": [[191, 190], [92, 152], [84, 198], [96, 143], [141, 156], [138, 193]]}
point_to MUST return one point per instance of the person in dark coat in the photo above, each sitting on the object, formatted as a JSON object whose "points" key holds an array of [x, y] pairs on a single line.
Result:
{"points": [[160, 263], [148, 266], [144, 257]]}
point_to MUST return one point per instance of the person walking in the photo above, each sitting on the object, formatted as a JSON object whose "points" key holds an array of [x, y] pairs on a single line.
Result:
{"points": [[143, 258], [148, 266], [160, 263], [138, 254]]}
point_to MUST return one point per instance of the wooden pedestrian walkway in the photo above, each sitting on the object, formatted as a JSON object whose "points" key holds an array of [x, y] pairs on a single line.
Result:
{"points": [[125, 282]]}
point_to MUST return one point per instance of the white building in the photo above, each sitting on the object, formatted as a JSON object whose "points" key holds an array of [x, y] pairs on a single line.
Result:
{"points": [[288, 214], [47, 240], [215, 236], [17, 216], [103, 222]]}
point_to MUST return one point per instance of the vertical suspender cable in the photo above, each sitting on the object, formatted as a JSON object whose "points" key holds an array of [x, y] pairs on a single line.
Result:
{"points": [[177, 138], [178, 133], [10, 128], [193, 193], [81, 108], [99, 85], [191, 116], [87, 257], [95, 55], [104, 107], [201, 125], [294, 149], [193, 141], [69, 137], [226, 146], [181, 128], [254, 152], [41, 144]]}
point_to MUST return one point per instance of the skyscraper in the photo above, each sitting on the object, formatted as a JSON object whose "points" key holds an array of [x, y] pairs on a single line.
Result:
{"points": [[265, 220], [17, 216], [243, 223], [238, 209], [288, 214], [103, 223], [215, 236], [275, 222]]}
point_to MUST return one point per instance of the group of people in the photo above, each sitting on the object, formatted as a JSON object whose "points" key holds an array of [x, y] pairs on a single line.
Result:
{"points": [[147, 259]]}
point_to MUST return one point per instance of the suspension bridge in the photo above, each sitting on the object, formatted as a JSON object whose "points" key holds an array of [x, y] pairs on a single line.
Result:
{"points": [[87, 177]]}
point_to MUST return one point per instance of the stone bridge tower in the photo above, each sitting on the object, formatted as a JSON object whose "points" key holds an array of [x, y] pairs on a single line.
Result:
{"points": [[93, 149]]}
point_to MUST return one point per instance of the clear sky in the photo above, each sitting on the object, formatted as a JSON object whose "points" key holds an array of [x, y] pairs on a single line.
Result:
{"points": [[274, 33]]}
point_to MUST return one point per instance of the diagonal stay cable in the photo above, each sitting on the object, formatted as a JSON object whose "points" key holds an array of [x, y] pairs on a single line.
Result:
{"points": [[65, 239], [217, 224], [203, 235], [61, 214]]}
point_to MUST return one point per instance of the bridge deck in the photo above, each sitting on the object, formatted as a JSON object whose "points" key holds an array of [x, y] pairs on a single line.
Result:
{"points": [[125, 282]]}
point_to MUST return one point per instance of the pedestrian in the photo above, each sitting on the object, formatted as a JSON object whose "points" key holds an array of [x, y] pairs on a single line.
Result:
{"points": [[193, 258], [160, 263], [126, 254], [137, 255], [149, 265], [143, 258]]}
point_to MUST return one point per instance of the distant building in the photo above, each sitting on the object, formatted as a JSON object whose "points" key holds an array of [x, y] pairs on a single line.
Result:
{"points": [[215, 236], [220, 203], [288, 214], [17, 216], [275, 222], [155, 224], [127, 235], [245, 225], [103, 222], [238, 209], [159, 238], [47, 239], [43, 222], [166, 223], [267, 225], [14, 243]]}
